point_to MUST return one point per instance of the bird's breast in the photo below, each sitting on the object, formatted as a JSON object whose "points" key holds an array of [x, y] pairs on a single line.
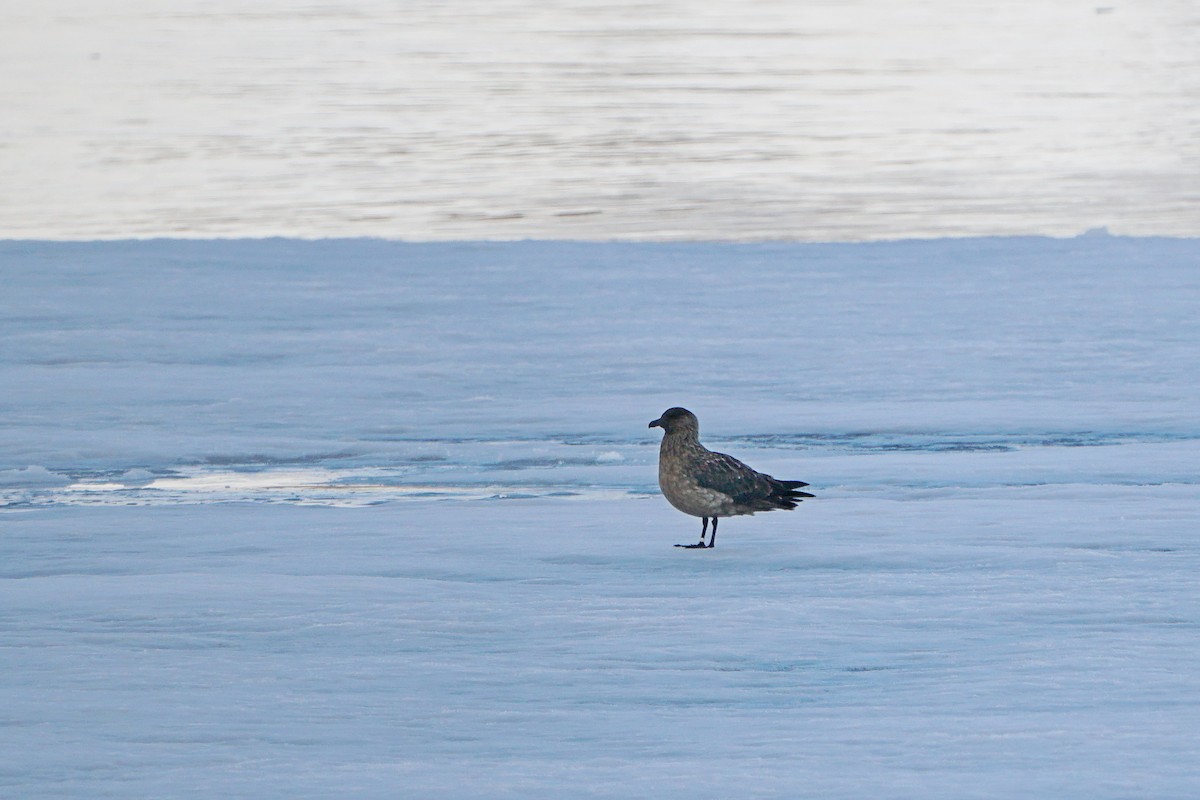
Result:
{"points": [[676, 478]]}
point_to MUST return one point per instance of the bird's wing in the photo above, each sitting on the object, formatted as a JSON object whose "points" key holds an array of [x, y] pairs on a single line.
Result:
{"points": [[727, 475]]}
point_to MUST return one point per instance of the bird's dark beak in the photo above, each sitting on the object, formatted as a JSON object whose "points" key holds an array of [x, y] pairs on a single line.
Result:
{"points": [[656, 424]]}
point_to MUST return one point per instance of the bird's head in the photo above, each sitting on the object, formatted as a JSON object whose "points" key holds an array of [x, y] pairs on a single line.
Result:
{"points": [[677, 419]]}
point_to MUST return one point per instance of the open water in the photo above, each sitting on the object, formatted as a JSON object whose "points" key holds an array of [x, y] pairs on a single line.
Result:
{"points": [[680, 119]]}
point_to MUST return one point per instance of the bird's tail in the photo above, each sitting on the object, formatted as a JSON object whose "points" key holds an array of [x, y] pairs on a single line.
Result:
{"points": [[786, 494]]}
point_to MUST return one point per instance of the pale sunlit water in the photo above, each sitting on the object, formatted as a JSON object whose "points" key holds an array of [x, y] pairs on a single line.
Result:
{"points": [[667, 120]]}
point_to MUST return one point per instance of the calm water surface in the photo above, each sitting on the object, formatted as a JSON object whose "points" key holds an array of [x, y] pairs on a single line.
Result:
{"points": [[680, 119]]}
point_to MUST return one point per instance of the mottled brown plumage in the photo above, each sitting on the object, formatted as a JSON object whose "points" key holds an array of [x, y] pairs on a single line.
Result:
{"points": [[711, 485]]}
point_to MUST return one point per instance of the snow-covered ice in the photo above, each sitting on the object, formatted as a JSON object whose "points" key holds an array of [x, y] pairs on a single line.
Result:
{"points": [[363, 518]]}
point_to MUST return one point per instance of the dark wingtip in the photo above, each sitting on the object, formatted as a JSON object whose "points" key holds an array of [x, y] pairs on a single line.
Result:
{"points": [[788, 497]]}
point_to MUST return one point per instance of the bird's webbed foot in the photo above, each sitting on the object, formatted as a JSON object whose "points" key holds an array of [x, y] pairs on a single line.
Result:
{"points": [[703, 531]]}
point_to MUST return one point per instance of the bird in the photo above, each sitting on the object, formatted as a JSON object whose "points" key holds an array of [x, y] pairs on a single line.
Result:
{"points": [[711, 485]]}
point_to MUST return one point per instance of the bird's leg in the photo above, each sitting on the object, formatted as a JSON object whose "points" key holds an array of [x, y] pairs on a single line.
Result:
{"points": [[703, 530], [712, 542]]}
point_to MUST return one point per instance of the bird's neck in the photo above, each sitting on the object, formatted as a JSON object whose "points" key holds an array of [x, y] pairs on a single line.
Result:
{"points": [[679, 440]]}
